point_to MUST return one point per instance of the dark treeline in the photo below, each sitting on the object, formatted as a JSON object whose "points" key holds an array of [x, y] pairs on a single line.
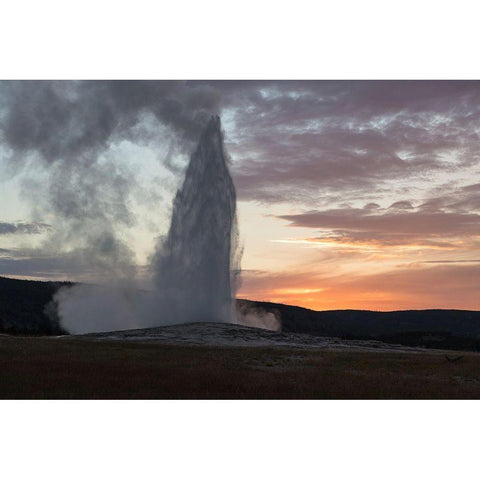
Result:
{"points": [[27, 307], [445, 329]]}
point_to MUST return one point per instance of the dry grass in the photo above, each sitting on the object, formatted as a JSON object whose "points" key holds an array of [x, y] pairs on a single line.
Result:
{"points": [[81, 368]]}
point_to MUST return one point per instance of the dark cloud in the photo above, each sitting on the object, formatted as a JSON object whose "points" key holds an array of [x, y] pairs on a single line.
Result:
{"points": [[371, 206], [24, 228], [67, 119], [353, 100], [294, 140], [64, 127], [300, 165], [58, 266], [461, 199], [418, 222], [402, 205], [44, 263], [400, 224]]}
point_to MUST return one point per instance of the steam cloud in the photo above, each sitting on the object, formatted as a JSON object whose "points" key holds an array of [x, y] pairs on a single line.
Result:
{"points": [[62, 129], [254, 316], [194, 266]]}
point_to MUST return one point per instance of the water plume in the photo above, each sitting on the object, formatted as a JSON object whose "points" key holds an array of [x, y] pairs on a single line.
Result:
{"points": [[195, 267], [196, 264]]}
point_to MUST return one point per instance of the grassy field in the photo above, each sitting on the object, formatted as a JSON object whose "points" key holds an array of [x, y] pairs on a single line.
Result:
{"points": [[62, 368]]}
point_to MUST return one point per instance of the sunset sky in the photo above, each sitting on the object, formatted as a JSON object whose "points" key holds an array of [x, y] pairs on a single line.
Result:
{"points": [[351, 194]]}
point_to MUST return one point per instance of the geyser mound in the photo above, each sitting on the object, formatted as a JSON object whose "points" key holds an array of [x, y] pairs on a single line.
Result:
{"points": [[197, 264]]}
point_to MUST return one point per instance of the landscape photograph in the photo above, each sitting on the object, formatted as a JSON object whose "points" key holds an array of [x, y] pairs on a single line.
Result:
{"points": [[239, 239]]}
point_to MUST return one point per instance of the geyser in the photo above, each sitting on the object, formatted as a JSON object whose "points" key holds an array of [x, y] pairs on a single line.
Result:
{"points": [[196, 265]]}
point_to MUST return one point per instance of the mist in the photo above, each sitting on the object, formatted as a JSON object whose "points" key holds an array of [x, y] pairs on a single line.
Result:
{"points": [[55, 135], [259, 318], [195, 268]]}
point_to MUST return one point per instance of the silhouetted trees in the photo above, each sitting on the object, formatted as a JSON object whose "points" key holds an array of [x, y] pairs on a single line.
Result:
{"points": [[27, 307]]}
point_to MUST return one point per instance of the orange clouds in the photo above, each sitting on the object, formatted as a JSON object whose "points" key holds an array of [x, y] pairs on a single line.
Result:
{"points": [[400, 257], [355, 241]]}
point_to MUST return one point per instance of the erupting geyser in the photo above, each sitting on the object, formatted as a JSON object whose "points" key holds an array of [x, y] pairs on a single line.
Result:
{"points": [[196, 265]]}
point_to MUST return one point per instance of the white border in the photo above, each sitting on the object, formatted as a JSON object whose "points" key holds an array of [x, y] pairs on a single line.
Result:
{"points": [[252, 39], [238, 440], [244, 40]]}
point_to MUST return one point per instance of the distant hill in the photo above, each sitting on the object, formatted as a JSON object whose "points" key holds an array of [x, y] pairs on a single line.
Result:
{"points": [[451, 329], [26, 307]]}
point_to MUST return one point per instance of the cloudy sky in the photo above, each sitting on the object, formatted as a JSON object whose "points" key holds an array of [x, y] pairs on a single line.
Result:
{"points": [[351, 194]]}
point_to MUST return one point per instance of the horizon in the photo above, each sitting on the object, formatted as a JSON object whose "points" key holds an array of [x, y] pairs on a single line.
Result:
{"points": [[352, 195], [273, 303]]}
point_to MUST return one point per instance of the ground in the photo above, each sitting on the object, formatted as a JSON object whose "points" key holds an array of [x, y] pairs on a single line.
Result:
{"points": [[90, 367]]}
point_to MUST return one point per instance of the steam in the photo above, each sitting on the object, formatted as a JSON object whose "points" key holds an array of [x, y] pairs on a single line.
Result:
{"points": [[254, 316], [89, 308], [195, 267], [74, 121], [57, 133]]}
